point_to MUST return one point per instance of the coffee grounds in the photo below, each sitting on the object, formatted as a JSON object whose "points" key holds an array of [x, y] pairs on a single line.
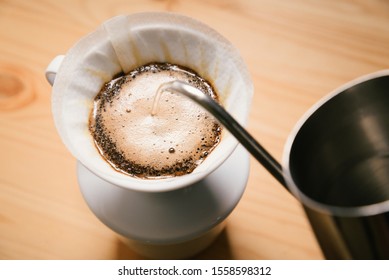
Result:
{"points": [[130, 164]]}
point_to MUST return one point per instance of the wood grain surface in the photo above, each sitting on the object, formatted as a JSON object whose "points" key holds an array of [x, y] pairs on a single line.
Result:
{"points": [[297, 51]]}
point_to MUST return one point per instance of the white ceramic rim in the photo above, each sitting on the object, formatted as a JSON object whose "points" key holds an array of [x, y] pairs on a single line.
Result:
{"points": [[360, 211]]}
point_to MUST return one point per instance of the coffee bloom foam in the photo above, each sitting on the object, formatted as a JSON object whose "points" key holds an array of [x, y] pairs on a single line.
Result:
{"points": [[170, 143]]}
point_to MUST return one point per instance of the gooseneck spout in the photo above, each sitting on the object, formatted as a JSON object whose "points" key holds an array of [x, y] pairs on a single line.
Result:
{"points": [[255, 149]]}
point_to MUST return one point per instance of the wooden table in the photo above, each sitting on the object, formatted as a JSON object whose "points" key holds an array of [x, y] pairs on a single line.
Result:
{"points": [[296, 51]]}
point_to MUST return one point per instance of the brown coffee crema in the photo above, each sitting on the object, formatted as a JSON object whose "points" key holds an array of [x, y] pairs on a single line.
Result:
{"points": [[171, 143]]}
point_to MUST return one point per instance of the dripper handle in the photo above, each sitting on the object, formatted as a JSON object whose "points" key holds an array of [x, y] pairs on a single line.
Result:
{"points": [[255, 149], [52, 68]]}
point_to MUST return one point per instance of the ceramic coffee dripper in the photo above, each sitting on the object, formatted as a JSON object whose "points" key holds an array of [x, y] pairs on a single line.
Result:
{"points": [[336, 162], [162, 218]]}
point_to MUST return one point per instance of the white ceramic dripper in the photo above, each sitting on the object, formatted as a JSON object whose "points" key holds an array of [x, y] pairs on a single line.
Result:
{"points": [[167, 218]]}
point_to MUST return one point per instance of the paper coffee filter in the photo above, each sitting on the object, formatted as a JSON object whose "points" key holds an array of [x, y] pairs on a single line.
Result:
{"points": [[125, 43]]}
